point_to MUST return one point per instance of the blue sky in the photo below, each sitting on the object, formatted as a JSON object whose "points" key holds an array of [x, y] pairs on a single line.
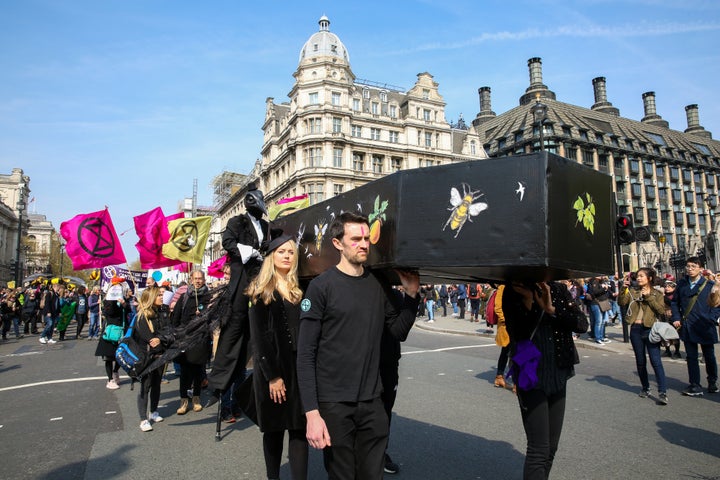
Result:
{"points": [[124, 102]]}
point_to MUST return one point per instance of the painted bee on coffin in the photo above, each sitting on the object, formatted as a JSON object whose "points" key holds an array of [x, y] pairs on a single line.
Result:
{"points": [[320, 230], [463, 207]]}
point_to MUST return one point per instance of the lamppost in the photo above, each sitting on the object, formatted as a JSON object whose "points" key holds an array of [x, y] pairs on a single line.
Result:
{"points": [[20, 208], [711, 202], [62, 258], [539, 111]]}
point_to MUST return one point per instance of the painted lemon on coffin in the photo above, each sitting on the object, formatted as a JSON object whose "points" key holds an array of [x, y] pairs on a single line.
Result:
{"points": [[376, 219], [585, 212]]}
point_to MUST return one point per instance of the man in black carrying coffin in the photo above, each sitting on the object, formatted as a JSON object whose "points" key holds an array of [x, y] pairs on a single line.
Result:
{"points": [[243, 238]]}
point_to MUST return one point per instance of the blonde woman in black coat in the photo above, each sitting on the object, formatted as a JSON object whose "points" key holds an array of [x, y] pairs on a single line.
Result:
{"points": [[274, 320]]}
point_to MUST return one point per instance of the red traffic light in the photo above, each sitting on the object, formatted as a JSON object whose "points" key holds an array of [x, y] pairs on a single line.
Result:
{"points": [[625, 229], [623, 222]]}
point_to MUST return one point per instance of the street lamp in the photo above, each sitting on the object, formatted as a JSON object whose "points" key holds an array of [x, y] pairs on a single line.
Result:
{"points": [[539, 111], [62, 258], [20, 208], [711, 202]]}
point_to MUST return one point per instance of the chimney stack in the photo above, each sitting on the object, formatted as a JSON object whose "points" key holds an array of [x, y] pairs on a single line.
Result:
{"points": [[536, 89], [486, 112], [693, 121], [601, 103], [651, 115]]}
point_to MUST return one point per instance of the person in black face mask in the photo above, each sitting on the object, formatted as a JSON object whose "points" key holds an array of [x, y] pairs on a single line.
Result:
{"points": [[243, 239]]}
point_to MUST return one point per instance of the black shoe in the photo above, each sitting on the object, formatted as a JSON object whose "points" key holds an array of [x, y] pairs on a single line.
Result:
{"points": [[692, 391], [644, 394], [662, 399], [713, 388], [668, 354], [677, 356], [390, 466]]}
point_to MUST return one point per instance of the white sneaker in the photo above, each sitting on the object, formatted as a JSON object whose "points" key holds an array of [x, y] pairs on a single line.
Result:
{"points": [[155, 417], [111, 385], [145, 426], [42, 340], [52, 341]]}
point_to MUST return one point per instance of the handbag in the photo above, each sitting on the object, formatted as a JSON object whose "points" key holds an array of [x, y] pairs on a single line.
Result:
{"points": [[131, 354], [604, 305], [112, 333]]}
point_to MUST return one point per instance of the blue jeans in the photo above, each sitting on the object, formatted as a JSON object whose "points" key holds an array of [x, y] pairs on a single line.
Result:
{"points": [[429, 305], [692, 362], [49, 326], [615, 311], [598, 321], [455, 308], [640, 344], [94, 327]]}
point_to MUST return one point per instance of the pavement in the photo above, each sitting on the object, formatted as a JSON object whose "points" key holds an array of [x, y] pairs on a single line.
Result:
{"points": [[452, 324]]}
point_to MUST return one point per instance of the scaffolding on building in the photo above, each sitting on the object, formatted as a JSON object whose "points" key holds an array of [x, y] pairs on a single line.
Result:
{"points": [[225, 185]]}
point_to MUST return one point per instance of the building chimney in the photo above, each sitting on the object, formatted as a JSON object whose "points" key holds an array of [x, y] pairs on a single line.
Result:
{"points": [[601, 103], [486, 112], [651, 115], [536, 89], [693, 121]]}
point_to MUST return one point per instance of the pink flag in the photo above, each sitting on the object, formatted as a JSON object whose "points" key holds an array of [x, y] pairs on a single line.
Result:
{"points": [[151, 228], [215, 268], [92, 241]]}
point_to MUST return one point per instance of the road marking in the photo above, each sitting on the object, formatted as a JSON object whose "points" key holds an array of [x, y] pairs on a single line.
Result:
{"points": [[441, 374], [56, 419], [49, 382], [110, 412], [446, 349], [22, 354]]}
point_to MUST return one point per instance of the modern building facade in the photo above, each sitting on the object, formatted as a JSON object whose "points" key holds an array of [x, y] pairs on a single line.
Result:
{"points": [[667, 179]]}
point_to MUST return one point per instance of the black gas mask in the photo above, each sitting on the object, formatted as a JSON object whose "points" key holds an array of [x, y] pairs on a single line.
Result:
{"points": [[255, 202]]}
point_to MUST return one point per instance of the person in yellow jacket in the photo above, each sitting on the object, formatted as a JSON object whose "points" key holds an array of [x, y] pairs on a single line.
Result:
{"points": [[502, 339], [645, 306]]}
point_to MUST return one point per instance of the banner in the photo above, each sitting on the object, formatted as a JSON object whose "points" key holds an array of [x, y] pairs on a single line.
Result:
{"points": [[134, 277], [151, 229], [215, 269], [92, 241], [286, 206], [188, 237]]}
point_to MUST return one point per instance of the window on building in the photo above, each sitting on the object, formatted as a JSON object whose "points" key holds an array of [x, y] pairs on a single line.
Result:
{"points": [[501, 143], [634, 166], [356, 104], [687, 176], [337, 125], [428, 139], [313, 98], [689, 198], [426, 93], [337, 157], [599, 137], [674, 174], [375, 134], [393, 111], [583, 135], [396, 164], [603, 163], [665, 217], [679, 218], [377, 164], [710, 179], [652, 215], [315, 192], [660, 171], [614, 141], [394, 137], [313, 156], [366, 93], [426, 115], [375, 108], [314, 125], [356, 131], [643, 147], [336, 99], [472, 147], [636, 190], [383, 96], [518, 137], [338, 189], [648, 169], [588, 158], [639, 215], [620, 187], [649, 192], [358, 162], [570, 151], [696, 178], [566, 131], [676, 196]]}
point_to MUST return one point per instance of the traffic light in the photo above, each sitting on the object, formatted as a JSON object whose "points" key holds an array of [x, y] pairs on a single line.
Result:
{"points": [[625, 229], [642, 234]]}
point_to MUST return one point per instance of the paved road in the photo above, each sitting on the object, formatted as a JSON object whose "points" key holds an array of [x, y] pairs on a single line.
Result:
{"points": [[59, 422]]}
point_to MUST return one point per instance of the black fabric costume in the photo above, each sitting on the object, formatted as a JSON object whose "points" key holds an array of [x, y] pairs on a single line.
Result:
{"points": [[231, 354]]}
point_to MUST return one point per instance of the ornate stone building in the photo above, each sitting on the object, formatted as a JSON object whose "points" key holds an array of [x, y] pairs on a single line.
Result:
{"points": [[667, 179], [338, 132], [14, 192]]}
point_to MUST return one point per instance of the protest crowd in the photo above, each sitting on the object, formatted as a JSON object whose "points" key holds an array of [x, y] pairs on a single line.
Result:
{"points": [[206, 329]]}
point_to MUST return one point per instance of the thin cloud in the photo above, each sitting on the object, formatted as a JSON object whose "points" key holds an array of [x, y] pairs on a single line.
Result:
{"points": [[576, 31]]}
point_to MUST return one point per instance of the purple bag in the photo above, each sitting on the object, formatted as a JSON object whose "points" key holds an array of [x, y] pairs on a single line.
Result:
{"points": [[525, 363]]}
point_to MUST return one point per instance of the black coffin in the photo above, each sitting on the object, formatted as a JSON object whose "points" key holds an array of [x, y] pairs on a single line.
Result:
{"points": [[530, 217]]}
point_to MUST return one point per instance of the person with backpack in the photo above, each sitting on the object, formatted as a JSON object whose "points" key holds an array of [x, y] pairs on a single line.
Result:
{"points": [[443, 299], [50, 307], [81, 310], [145, 332], [93, 303], [431, 296], [461, 300], [474, 292], [29, 312]]}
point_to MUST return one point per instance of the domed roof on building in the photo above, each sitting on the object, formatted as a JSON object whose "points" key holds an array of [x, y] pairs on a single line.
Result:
{"points": [[324, 43]]}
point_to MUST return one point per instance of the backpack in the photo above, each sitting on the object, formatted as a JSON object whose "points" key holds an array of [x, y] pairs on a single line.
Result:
{"points": [[131, 354], [490, 316], [473, 290]]}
